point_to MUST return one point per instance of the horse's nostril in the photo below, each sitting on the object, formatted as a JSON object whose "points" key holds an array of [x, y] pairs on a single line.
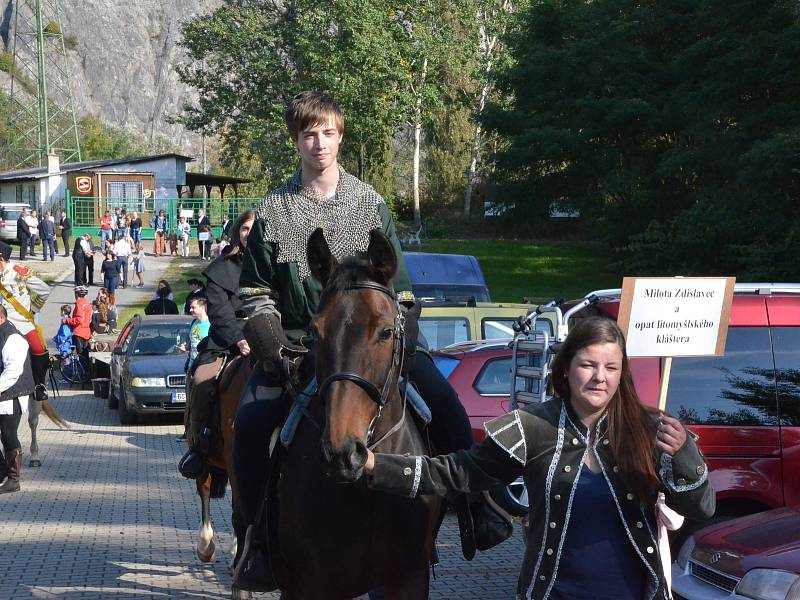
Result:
{"points": [[358, 455]]}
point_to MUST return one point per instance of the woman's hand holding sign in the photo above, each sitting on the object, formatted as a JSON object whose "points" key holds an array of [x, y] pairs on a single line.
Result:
{"points": [[671, 435]]}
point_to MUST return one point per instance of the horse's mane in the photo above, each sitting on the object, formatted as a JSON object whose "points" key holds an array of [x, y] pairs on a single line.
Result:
{"points": [[350, 270]]}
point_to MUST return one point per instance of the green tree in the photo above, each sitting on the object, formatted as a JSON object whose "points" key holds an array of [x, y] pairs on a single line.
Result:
{"points": [[671, 126], [248, 60]]}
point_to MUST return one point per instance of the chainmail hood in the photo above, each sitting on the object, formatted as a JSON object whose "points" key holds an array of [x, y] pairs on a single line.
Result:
{"points": [[292, 213]]}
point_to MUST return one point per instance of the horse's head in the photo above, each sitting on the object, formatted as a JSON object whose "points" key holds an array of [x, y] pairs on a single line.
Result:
{"points": [[358, 331]]}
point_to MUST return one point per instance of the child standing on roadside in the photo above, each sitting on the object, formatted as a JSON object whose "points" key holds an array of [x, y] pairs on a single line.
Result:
{"points": [[138, 264], [63, 338]]}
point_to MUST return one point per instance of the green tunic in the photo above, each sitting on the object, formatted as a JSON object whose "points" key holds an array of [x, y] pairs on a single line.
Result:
{"points": [[297, 298]]}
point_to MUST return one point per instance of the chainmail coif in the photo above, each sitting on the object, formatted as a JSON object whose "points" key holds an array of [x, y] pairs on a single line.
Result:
{"points": [[292, 213]]}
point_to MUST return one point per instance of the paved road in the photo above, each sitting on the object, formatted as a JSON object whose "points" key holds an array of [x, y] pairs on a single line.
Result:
{"points": [[108, 516]]}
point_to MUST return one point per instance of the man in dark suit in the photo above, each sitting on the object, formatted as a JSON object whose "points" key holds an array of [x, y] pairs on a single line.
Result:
{"points": [[88, 261], [65, 226], [226, 226], [202, 224], [47, 231], [23, 233], [197, 289]]}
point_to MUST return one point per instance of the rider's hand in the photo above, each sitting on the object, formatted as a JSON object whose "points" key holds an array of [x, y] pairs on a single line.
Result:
{"points": [[244, 347], [369, 466], [671, 435]]}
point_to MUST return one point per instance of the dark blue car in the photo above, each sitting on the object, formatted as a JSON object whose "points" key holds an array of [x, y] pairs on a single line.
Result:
{"points": [[446, 276], [148, 367]]}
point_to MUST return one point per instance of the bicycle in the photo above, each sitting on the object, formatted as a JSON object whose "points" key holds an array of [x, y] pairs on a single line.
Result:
{"points": [[74, 367]]}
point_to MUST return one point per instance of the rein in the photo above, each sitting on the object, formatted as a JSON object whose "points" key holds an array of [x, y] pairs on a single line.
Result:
{"points": [[379, 396]]}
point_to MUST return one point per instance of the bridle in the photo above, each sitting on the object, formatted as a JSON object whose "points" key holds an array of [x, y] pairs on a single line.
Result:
{"points": [[378, 396]]}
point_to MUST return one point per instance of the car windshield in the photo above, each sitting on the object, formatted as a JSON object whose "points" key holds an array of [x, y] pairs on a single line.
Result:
{"points": [[161, 339], [10, 214]]}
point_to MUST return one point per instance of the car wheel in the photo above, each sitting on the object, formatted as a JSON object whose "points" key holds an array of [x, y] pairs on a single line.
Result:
{"points": [[126, 417], [512, 498], [113, 402]]}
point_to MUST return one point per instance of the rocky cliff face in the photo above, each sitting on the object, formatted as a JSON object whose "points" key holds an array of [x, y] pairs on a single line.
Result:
{"points": [[122, 66]]}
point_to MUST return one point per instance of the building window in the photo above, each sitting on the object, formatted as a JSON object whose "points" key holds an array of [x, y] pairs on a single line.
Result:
{"points": [[125, 194]]}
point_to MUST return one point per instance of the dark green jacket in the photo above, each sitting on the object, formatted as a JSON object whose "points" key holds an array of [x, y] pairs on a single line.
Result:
{"points": [[298, 300], [543, 444]]}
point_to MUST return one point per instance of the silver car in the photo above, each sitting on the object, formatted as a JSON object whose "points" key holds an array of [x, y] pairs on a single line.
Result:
{"points": [[9, 213]]}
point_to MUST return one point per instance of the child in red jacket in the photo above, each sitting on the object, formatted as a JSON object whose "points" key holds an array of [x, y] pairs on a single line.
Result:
{"points": [[81, 322]]}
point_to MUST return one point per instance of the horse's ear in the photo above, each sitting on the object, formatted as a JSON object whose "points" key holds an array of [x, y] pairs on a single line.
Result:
{"points": [[382, 255], [320, 260]]}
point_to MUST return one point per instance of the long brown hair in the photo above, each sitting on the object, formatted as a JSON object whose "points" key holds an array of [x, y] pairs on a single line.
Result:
{"points": [[631, 426], [235, 248]]}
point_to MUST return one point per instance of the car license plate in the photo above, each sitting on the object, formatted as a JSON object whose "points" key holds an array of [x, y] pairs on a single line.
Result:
{"points": [[179, 396]]}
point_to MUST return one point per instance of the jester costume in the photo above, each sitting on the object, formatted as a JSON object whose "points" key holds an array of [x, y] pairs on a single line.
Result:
{"points": [[23, 295]]}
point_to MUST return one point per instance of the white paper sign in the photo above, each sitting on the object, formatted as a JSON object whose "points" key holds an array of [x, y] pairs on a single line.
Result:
{"points": [[187, 213], [676, 316], [203, 236]]}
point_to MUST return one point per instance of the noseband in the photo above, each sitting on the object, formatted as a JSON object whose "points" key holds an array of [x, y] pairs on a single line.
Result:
{"points": [[380, 397]]}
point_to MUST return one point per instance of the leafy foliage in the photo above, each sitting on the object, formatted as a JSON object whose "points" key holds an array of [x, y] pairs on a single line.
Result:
{"points": [[671, 126]]}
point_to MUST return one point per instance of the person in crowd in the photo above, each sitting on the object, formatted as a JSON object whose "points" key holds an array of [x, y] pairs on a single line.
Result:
{"points": [[321, 194], [63, 337], [197, 289], [136, 228], [65, 227], [226, 226], [47, 230], [163, 284], [81, 322], [224, 242], [123, 229], [198, 328], [139, 264], [16, 384], [78, 256], [115, 225], [52, 219], [104, 315], [107, 224], [203, 225], [162, 304], [225, 339], [23, 295], [598, 459], [23, 233], [123, 250], [112, 274], [160, 225], [89, 249], [33, 227], [173, 242], [184, 231]]}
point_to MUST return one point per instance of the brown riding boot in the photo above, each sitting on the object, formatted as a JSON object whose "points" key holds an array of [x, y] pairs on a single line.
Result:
{"points": [[13, 463]]}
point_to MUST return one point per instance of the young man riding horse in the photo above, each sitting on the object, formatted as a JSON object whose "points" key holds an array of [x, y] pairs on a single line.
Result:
{"points": [[281, 299]]}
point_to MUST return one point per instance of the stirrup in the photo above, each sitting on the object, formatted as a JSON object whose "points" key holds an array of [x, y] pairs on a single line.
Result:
{"points": [[253, 572]]}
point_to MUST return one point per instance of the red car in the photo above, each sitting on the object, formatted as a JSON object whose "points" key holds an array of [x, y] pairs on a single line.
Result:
{"points": [[745, 405], [753, 557]]}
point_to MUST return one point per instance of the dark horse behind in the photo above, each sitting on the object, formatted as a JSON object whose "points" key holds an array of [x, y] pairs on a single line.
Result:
{"points": [[339, 539]]}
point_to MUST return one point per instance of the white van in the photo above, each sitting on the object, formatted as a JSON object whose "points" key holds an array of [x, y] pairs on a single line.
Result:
{"points": [[9, 213]]}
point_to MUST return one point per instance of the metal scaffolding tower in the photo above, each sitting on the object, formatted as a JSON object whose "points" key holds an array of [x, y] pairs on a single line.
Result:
{"points": [[41, 100]]}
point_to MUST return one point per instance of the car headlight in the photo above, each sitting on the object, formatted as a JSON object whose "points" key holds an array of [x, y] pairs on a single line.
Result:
{"points": [[769, 584], [148, 382], [685, 552]]}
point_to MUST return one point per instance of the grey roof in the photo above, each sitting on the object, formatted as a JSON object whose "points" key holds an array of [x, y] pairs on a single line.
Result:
{"points": [[37, 172]]}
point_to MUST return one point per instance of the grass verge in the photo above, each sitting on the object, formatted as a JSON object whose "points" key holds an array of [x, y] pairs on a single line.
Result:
{"points": [[537, 271]]}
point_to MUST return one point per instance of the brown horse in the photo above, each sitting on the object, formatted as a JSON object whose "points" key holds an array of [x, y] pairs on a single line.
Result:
{"points": [[230, 387], [337, 538]]}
